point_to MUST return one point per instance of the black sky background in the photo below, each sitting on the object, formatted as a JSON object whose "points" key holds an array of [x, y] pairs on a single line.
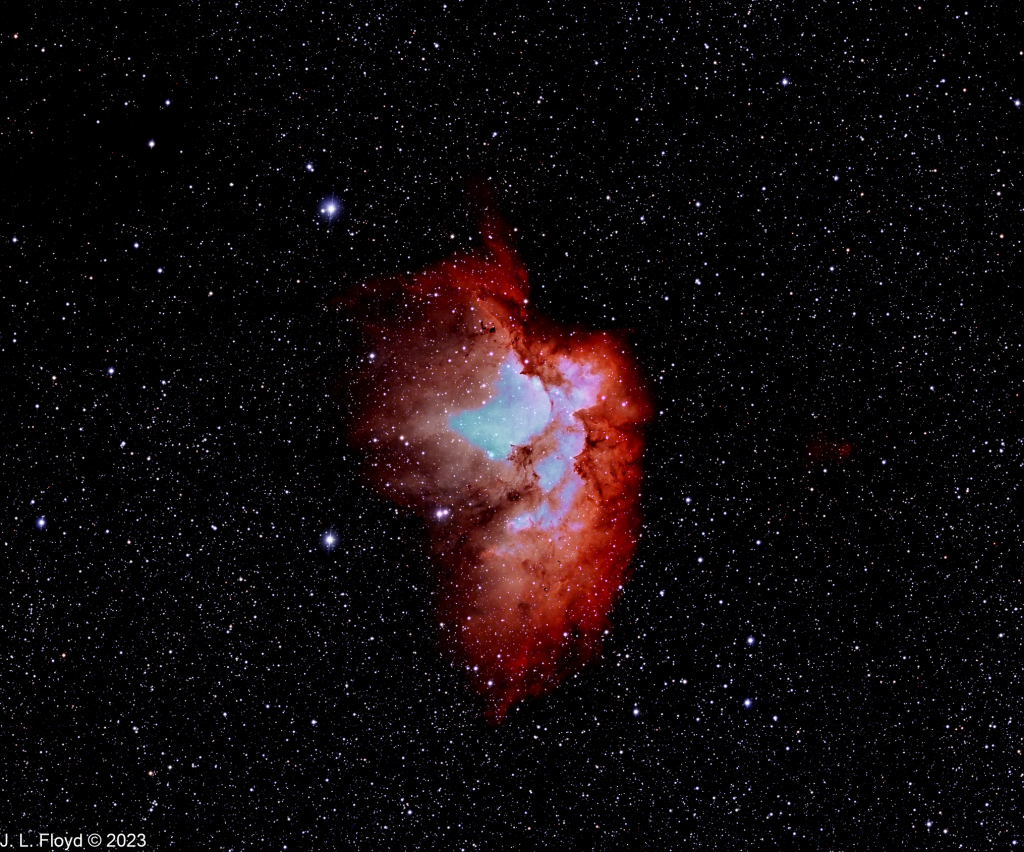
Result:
{"points": [[810, 218]]}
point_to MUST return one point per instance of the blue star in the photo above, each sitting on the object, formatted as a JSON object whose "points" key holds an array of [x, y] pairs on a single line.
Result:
{"points": [[332, 208]]}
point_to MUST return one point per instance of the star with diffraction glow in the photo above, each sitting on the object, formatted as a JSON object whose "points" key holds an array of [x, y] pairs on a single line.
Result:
{"points": [[332, 208]]}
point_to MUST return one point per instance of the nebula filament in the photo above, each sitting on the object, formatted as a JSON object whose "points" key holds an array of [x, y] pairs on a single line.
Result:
{"points": [[519, 442]]}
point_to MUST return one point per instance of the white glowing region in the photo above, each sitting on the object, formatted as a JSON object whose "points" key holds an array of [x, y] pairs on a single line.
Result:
{"points": [[523, 410], [519, 409]]}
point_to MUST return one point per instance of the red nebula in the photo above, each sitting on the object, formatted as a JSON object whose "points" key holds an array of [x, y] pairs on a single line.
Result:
{"points": [[824, 450], [518, 441]]}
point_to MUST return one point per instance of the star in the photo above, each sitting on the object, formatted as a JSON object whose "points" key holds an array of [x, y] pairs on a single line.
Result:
{"points": [[329, 540], [331, 208]]}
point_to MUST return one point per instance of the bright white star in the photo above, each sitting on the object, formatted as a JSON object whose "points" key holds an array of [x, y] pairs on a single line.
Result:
{"points": [[332, 208]]}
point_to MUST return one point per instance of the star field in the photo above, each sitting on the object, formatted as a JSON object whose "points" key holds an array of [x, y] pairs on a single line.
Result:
{"points": [[808, 216]]}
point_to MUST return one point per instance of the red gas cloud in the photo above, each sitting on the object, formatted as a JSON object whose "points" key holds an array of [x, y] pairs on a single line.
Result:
{"points": [[823, 450], [519, 442]]}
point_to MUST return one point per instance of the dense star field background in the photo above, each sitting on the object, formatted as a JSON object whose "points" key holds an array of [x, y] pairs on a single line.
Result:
{"points": [[809, 216]]}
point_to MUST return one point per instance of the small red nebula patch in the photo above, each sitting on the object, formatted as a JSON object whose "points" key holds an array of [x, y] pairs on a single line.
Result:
{"points": [[518, 441], [822, 451]]}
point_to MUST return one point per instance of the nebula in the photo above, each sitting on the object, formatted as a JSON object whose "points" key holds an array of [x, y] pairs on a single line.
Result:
{"points": [[519, 442], [823, 450]]}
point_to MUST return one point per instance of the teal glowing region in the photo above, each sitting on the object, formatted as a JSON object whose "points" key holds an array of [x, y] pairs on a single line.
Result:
{"points": [[519, 409]]}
